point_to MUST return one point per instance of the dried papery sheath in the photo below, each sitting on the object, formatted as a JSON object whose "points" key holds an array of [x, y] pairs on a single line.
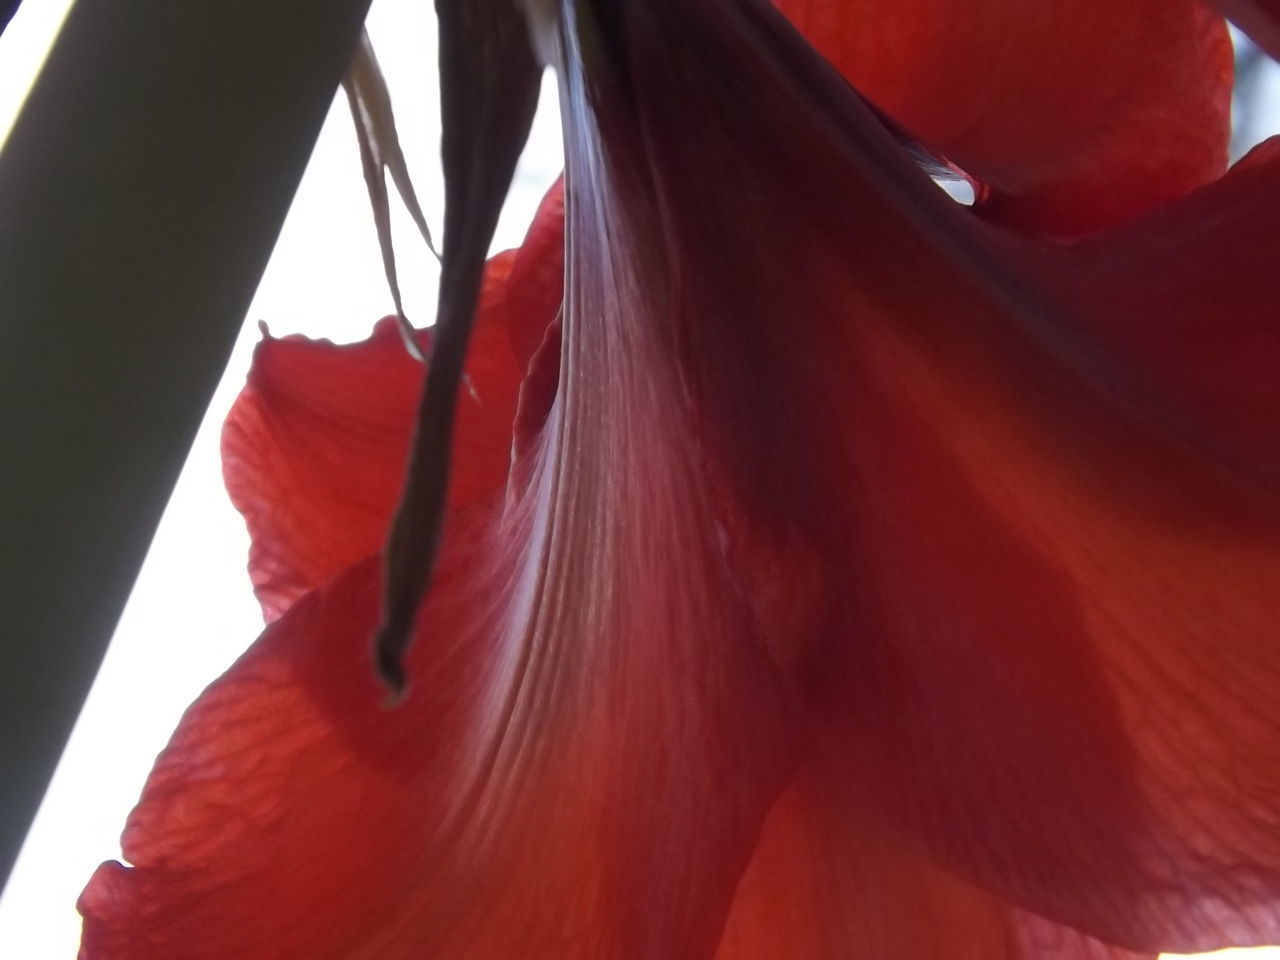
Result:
{"points": [[380, 153]]}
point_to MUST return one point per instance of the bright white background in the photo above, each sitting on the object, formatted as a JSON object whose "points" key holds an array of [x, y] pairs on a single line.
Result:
{"points": [[192, 611]]}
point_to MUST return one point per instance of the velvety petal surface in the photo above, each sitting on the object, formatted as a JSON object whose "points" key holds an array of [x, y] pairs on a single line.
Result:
{"points": [[830, 475], [314, 448], [579, 770], [1072, 114], [1028, 548], [593, 731], [829, 881]]}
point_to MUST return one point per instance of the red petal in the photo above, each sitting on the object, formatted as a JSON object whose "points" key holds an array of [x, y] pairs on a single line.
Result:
{"points": [[1044, 590], [826, 882], [1071, 696], [1034, 608], [313, 452], [1075, 114], [314, 448], [593, 739], [536, 288], [578, 773], [1183, 301]]}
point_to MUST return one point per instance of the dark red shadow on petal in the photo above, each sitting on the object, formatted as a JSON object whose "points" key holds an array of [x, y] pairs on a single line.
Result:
{"points": [[1075, 114], [1048, 586], [566, 778]]}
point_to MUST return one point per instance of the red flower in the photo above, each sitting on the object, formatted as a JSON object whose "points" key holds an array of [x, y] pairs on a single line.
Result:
{"points": [[870, 578]]}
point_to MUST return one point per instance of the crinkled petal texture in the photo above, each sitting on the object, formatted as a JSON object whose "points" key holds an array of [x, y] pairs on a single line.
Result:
{"points": [[565, 779], [827, 882], [1072, 114], [869, 582], [1032, 489], [314, 449], [592, 737]]}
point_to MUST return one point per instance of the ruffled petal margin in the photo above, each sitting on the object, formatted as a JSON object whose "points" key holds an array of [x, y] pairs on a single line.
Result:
{"points": [[314, 449], [1033, 486], [1021, 583], [566, 778], [593, 734], [1072, 115]]}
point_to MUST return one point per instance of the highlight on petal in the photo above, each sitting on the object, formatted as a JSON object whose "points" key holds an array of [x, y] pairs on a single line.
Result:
{"points": [[579, 772], [1073, 114], [593, 736], [1043, 632], [868, 573]]}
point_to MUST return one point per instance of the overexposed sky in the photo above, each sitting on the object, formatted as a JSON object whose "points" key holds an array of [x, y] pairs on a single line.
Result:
{"points": [[192, 611]]}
